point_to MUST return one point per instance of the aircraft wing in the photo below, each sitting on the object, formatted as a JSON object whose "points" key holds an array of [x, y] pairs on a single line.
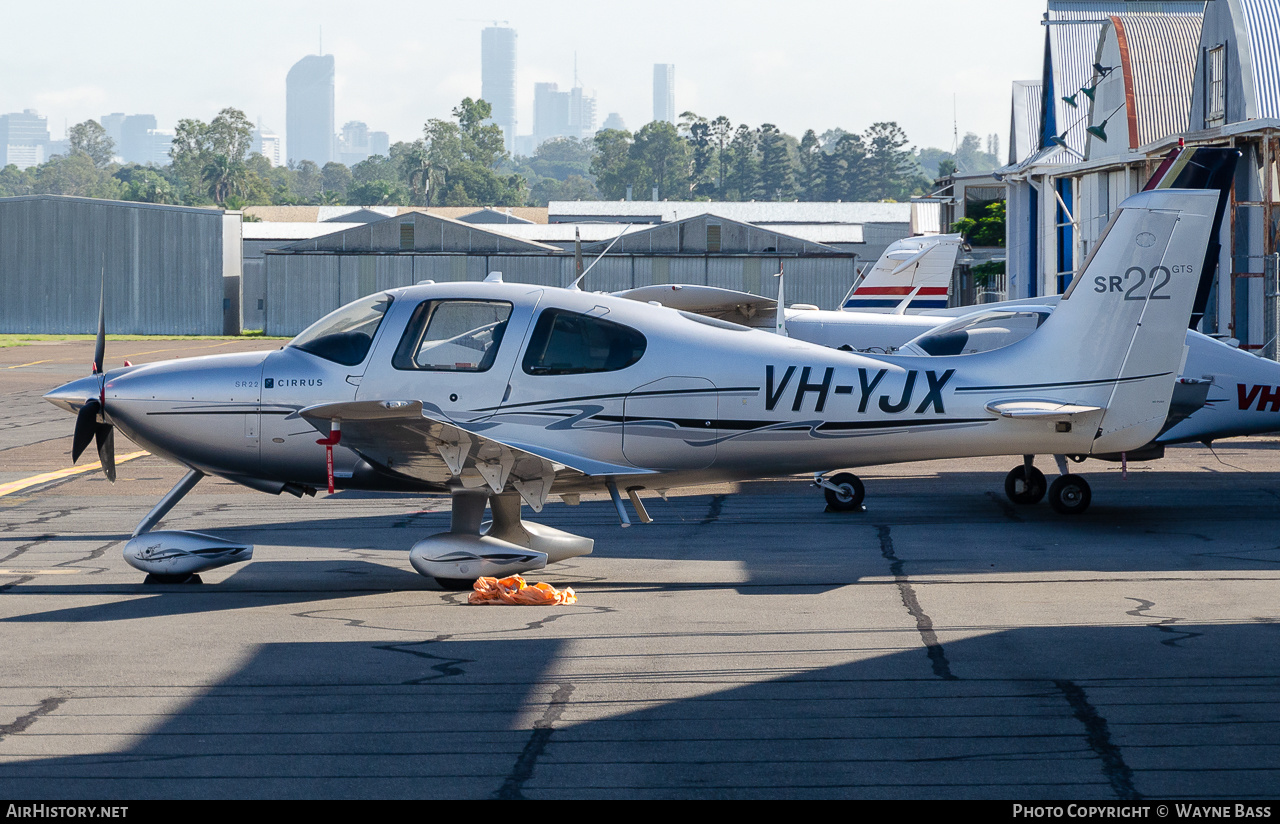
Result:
{"points": [[421, 443], [712, 301]]}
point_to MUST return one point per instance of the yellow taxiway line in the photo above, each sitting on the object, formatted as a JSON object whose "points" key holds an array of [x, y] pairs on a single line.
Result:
{"points": [[35, 480]]}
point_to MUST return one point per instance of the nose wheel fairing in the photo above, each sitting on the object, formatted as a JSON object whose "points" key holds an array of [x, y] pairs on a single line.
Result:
{"points": [[180, 554], [174, 557]]}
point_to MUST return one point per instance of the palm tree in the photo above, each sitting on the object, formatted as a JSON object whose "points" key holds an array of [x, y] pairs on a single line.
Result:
{"points": [[422, 177], [224, 177]]}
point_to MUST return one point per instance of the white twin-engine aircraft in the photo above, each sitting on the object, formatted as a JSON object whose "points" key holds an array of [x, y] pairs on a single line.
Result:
{"points": [[911, 277], [508, 394]]}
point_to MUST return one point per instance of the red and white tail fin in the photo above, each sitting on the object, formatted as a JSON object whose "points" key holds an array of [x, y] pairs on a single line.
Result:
{"points": [[912, 275]]}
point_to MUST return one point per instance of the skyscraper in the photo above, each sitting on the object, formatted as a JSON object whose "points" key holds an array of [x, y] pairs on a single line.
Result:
{"points": [[136, 143], [664, 92], [582, 113], [113, 125], [354, 145], [24, 139], [498, 78], [550, 112], [562, 114], [266, 143], [309, 110]]}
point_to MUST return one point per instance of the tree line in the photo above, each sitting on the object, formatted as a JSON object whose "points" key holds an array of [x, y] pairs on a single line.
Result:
{"points": [[462, 162]]}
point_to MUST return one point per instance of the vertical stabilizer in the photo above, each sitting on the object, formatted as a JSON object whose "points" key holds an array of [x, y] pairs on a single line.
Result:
{"points": [[1118, 334], [912, 275]]}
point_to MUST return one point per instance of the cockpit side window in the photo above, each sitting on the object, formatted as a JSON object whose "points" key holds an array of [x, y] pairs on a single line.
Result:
{"points": [[569, 343], [453, 336], [345, 336]]}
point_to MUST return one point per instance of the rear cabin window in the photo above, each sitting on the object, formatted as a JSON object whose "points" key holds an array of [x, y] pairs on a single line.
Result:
{"points": [[569, 343], [453, 336]]}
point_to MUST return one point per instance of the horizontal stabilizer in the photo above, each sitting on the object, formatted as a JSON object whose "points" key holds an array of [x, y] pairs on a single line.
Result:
{"points": [[1040, 410], [910, 261]]}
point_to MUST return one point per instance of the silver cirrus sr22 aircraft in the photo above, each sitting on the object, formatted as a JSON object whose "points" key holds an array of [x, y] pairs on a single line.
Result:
{"points": [[507, 394], [1222, 391]]}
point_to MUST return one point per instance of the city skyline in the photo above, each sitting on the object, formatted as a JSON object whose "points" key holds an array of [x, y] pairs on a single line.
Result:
{"points": [[805, 75]]}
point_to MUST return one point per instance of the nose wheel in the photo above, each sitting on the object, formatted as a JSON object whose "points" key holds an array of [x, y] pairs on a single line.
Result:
{"points": [[844, 492]]}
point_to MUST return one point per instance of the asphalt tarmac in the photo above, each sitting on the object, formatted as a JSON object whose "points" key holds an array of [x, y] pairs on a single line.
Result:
{"points": [[943, 644]]}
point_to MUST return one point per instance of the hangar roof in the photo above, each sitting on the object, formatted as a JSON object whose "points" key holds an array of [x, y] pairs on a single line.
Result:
{"points": [[1151, 92], [416, 232], [758, 213], [711, 234], [127, 204], [316, 214], [1071, 45]]}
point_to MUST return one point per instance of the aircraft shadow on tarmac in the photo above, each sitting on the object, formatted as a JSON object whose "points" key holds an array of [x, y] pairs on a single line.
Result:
{"points": [[779, 536], [1032, 713], [256, 584], [778, 540]]}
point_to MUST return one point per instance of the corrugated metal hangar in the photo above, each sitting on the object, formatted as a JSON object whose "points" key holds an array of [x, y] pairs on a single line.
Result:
{"points": [[182, 270], [167, 269], [310, 278]]}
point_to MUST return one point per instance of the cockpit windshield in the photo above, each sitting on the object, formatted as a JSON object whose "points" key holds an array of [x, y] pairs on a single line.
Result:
{"points": [[979, 332], [345, 336]]}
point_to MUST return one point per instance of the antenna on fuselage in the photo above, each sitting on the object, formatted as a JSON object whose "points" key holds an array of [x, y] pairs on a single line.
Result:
{"points": [[858, 275], [599, 257], [577, 256], [781, 325]]}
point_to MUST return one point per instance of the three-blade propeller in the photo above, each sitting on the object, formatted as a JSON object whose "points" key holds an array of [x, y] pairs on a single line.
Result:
{"points": [[92, 423]]}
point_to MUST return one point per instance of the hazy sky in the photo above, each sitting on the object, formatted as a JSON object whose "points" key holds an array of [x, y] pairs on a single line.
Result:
{"points": [[801, 64]]}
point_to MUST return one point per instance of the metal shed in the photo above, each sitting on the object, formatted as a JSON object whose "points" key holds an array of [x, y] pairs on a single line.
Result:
{"points": [[167, 269], [308, 279]]}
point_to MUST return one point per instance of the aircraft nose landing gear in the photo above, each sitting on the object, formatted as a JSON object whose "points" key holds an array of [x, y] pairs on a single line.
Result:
{"points": [[844, 492]]}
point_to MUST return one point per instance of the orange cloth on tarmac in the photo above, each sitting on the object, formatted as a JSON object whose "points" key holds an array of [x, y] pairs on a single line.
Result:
{"points": [[514, 590]]}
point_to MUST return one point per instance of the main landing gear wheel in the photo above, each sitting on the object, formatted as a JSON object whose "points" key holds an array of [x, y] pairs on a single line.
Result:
{"points": [[1024, 487], [849, 498], [1069, 495]]}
